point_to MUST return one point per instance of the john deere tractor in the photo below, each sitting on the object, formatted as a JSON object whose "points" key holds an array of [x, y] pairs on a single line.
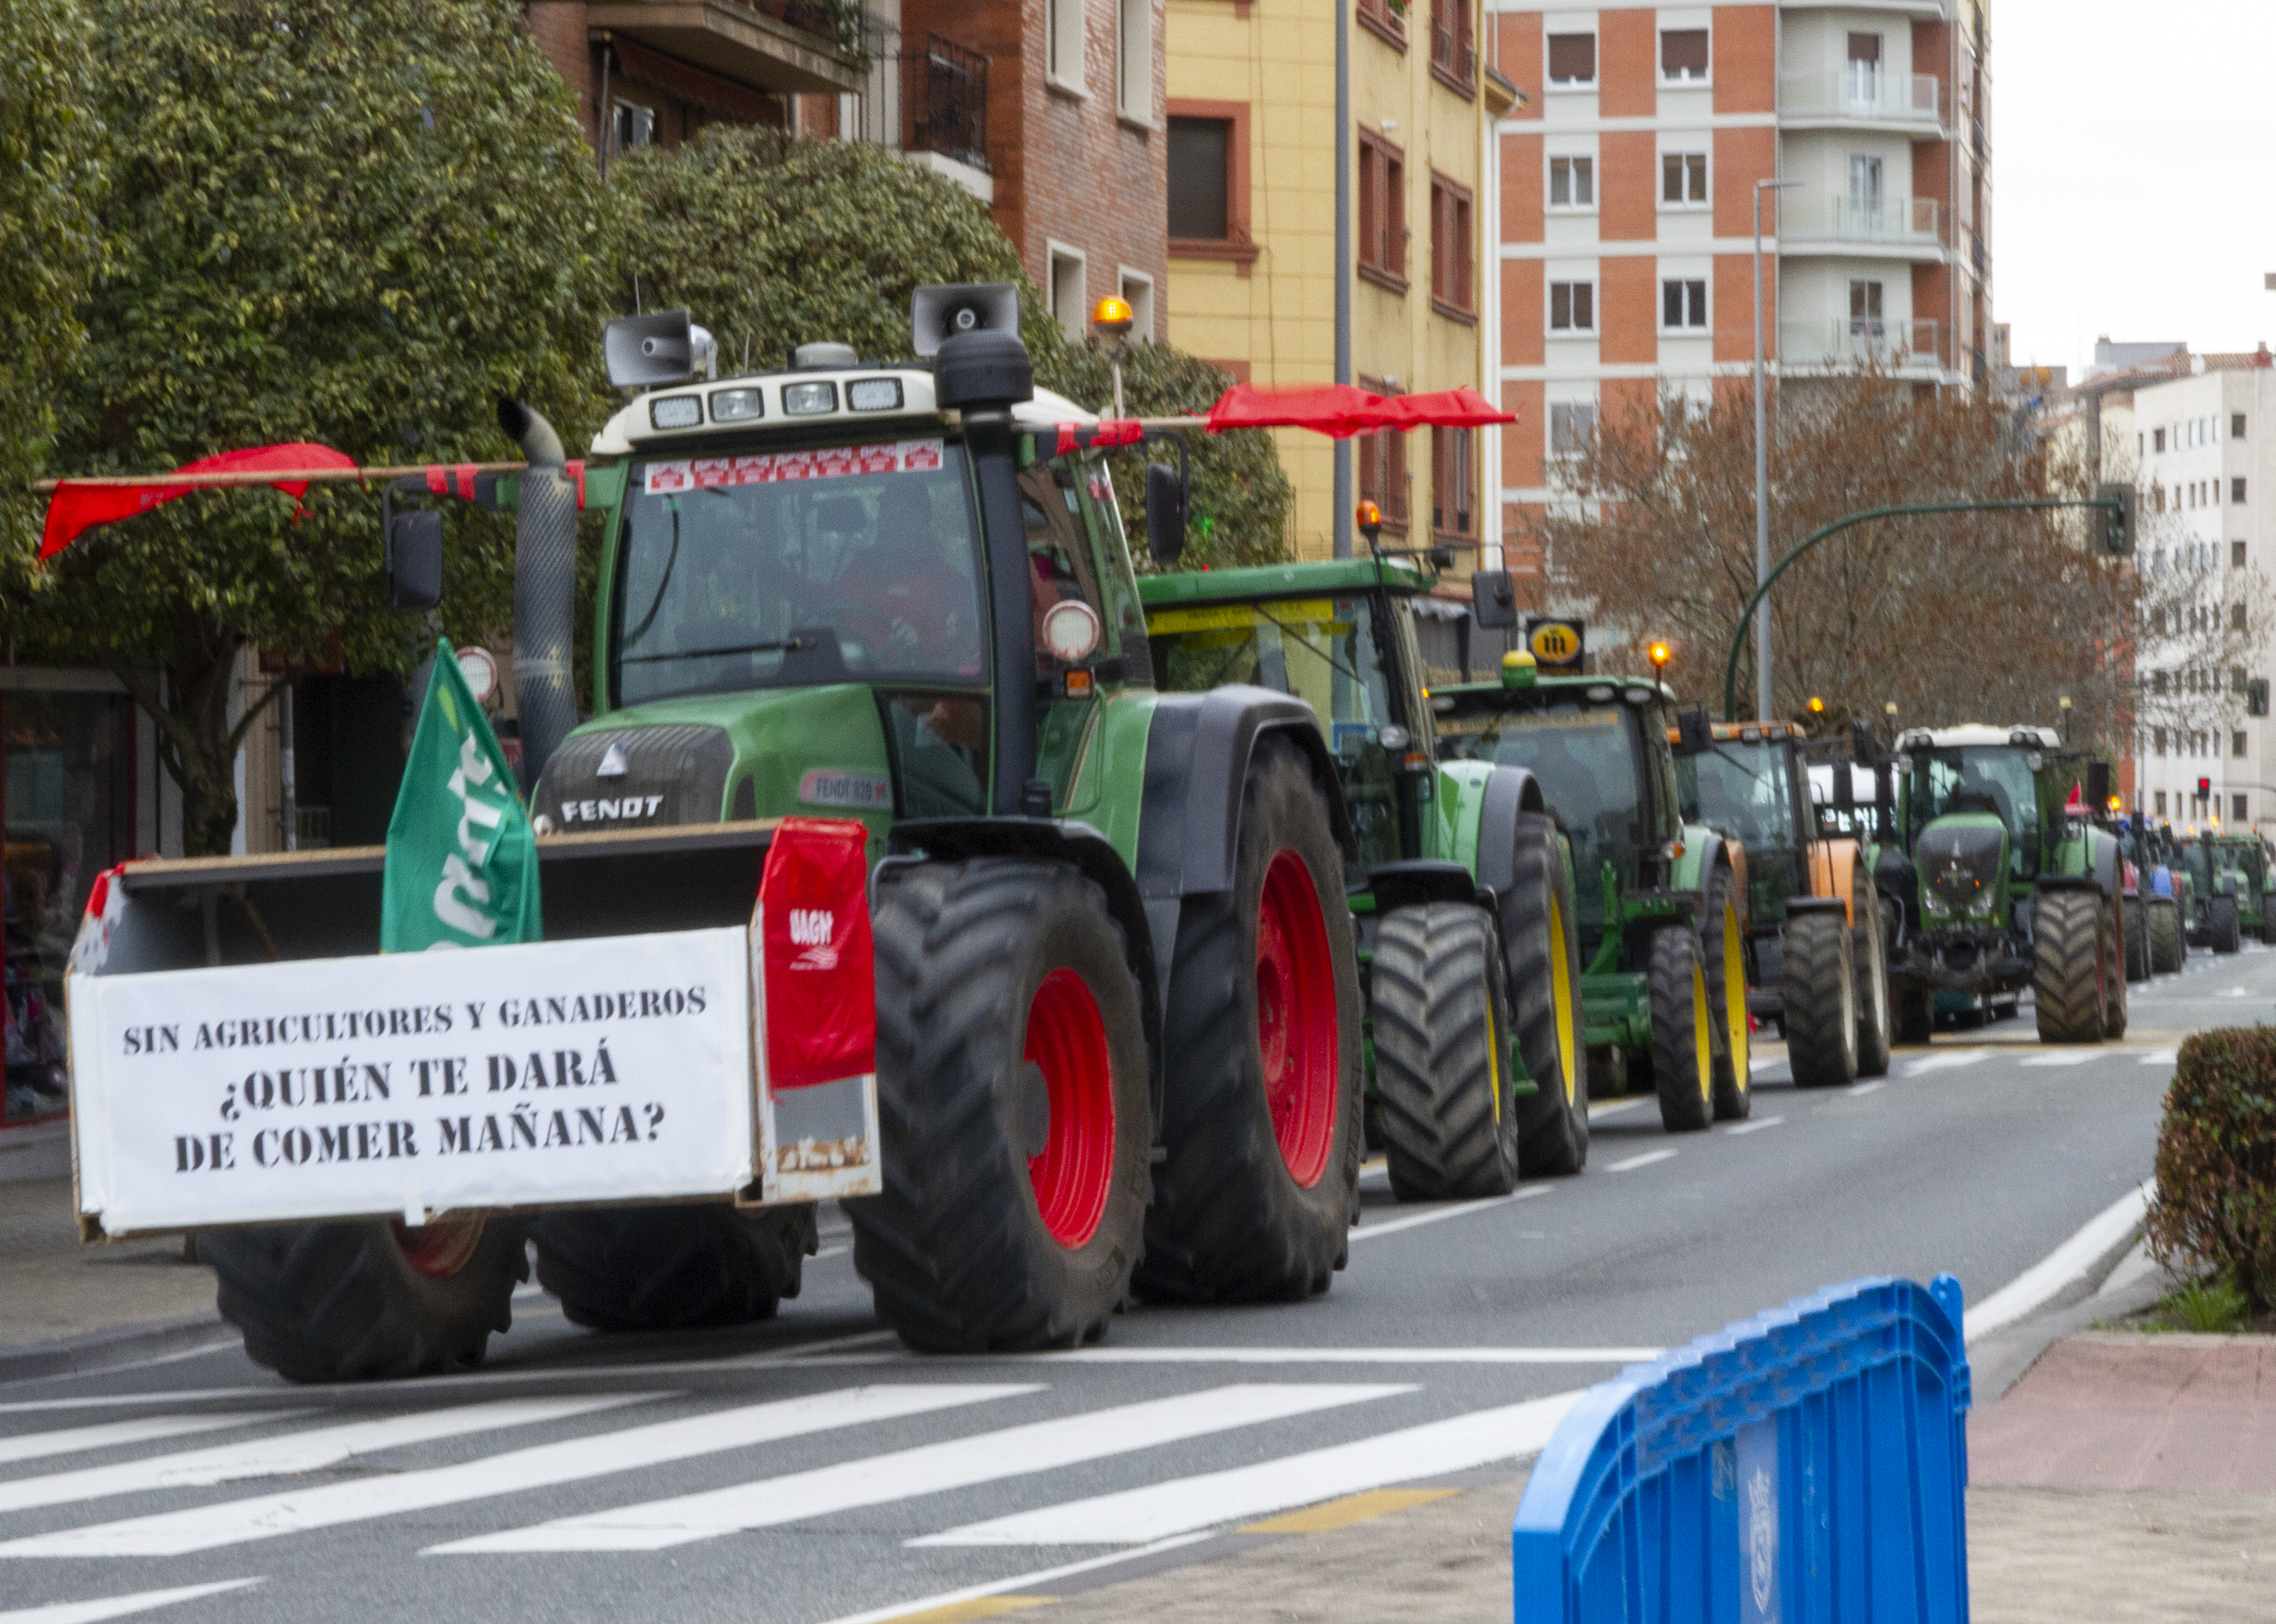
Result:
{"points": [[2008, 882], [1815, 916], [1659, 898], [1459, 887]]}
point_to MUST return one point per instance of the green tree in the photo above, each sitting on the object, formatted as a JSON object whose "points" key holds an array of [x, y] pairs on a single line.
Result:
{"points": [[351, 224]]}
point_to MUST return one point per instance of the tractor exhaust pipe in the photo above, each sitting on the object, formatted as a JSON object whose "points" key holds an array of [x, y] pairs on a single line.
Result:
{"points": [[545, 588]]}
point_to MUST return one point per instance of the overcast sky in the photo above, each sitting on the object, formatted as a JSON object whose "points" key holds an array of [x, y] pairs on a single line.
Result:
{"points": [[2133, 173]]}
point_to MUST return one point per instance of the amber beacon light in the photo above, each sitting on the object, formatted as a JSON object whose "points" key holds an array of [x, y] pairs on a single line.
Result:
{"points": [[1659, 653], [1112, 316]]}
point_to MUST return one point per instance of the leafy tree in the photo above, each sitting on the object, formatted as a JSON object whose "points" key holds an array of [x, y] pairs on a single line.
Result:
{"points": [[351, 224]]}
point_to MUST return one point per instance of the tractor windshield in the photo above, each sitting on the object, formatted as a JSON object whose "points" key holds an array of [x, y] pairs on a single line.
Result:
{"points": [[788, 569], [1585, 759], [1746, 790], [1995, 779]]}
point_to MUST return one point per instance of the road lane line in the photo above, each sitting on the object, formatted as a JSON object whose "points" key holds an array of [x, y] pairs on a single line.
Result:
{"points": [[2045, 1280], [118, 1606], [931, 1469], [1455, 1209], [1119, 1354], [2065, 1057], [928, 1605], [1612, 1107], [1644, 1160], [175, 1533], [1947, 1060], [1182, 1505], [2159, 1057], [1755, 1126], [108, 1435]]}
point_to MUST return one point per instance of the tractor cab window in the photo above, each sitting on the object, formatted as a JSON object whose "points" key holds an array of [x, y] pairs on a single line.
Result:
{"points": [[791, 569], [1745, 790], [1998, 779], [1322, 650]]}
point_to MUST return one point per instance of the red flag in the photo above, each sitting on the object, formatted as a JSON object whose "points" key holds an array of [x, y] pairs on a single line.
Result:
{"points": [[75, 506], [1339, 411], [818, 975], [1463, 408]]}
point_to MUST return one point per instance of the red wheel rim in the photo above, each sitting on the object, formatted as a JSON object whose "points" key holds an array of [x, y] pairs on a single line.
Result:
{"points": [[1067, 1039], [1295, 1016], [441, 1248]]}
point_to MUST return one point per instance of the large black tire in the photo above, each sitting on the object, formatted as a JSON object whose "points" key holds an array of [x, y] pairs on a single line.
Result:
{"points": [[1683, 1042], [2221, 933], [1915, 1003], [2165, 946], [2113, 957], [1442, 1054], [1541, 943], [959, 1250], [1820, 998], [673, 1269], [343, 1302], [2268, 924], [2137, 938], [1869, 952], [2069, 976], [1723, 946], [1231, 1220]]}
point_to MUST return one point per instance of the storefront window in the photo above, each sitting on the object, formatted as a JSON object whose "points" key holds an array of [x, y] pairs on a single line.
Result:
{"points": [[67, 801]]}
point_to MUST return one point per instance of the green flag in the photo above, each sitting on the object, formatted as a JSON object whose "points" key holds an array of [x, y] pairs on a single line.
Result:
{"points": [[462, 856]]}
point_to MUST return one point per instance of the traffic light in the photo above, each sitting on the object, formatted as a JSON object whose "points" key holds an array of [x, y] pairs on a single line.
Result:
{"points": [[2204, 789], [2117, 519]]}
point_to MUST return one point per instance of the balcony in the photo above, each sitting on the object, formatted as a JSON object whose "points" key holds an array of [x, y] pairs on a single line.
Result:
{"points": [[784, 47], [1899, 227], [1863, 94], [928, 97], [1891, 346]]}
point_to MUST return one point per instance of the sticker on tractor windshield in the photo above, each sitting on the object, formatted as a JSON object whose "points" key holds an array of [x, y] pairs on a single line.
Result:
{"points": [[778, 467], [1525, 720], [1224, 617]]}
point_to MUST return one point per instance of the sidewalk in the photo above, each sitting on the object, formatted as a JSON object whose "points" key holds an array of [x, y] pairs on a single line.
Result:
{"points": [[55, 1292]]}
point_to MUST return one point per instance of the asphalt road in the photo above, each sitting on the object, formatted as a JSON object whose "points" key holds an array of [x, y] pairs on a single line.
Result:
{"points": [[808, 1470]]}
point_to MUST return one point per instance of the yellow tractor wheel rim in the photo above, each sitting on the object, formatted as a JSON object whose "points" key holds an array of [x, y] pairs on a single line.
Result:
{"points": [[1560, 1002], [1734, 996], [1703, 1033], [1494, 1056]]}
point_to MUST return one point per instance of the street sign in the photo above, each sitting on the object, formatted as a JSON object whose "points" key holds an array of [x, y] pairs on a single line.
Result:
{"points": [[1556, 646], [480, 667]]}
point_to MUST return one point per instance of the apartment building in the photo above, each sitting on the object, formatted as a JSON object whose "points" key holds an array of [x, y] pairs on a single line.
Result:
{"points": [[1253, 137], [1629, 175], [1049, 111]]}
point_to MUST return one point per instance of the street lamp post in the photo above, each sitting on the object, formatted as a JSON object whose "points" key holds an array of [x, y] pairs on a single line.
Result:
{"points": [[1762, 471]]}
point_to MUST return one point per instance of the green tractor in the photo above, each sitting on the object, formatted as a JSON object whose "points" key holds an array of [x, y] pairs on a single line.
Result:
{"points": [[1460, 890], [1117, 1011], [2169, 901], [2228, 877], [2007, 882], [1659, 898]]}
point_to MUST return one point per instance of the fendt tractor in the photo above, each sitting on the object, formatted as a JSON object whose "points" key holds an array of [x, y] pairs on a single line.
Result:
{"points": [[2228, 880], [1814, 915], [2169, 901], [2007, 882], [1460, 889], [1117, 1010], [1658, 897], [2136, 887]]}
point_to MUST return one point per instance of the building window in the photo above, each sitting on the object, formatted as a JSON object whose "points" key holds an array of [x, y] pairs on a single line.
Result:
{"points": [[2157, 439], [632, 126], [2236, 555], [1452, 274], [2236, 488], [1865, 310], [1201, 152], [2161, 798], [2237, 747], [1138, 293], [1683, 304], [1451, 479], [1453, 56], [2158, 734], [1069, 306], [2240, 809], [1573, 183], [1864, 80], [2236, 426], [1133, 48], [1683, 54], [1683, 178], [1571, 426], [2236, 616], [1572, 307], [1062, 42], [1383, 210], [1573, 60]]}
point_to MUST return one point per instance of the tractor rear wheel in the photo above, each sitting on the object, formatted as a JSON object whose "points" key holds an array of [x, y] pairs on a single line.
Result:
{"points": [[1724, 949], [1013, 1099], [2069, 974], [1442, 1054], [367, 1301], [1869, 950], [1260, 1044], [1820, 998], [1683, 1031], [2137, 938], [2222, 933], [2164, 933], [672, 1269], [1541, 942], [2113, 956]]}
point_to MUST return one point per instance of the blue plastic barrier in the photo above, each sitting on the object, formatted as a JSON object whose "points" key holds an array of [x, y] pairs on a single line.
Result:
{"points": [[1804, 1466]]}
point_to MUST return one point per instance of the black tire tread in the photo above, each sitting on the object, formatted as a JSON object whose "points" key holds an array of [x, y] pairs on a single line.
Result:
{"points": [[1436, 978], [2165, 935], [1685, 1106], [2137, 939], [1868, 951], [2066, 943], [2222, 933], [1552, 1129], [675, 1268], [1821, 1027]]}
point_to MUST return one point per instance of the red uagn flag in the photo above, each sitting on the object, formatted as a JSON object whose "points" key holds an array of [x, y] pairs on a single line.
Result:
{"points": [[76, 506], [1340, 411]]}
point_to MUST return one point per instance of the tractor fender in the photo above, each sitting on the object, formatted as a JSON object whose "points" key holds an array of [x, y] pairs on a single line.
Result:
{"points": [[1703, 851], [1058, 841], [1419, 880], [1510, 792], [1833, 872], [2090, 863], [1198, 747]]}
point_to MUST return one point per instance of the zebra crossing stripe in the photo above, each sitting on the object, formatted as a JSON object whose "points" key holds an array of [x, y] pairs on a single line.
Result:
{"points": [[110, 1435], [293, 1452], [2064, 1057], [175, 1533], [1134, 1516], [1013, 1452], [118, 1606]]}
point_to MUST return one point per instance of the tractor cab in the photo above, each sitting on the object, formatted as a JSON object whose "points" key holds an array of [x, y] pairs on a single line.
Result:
{"points": [[1977, 802], [1752, 782]]}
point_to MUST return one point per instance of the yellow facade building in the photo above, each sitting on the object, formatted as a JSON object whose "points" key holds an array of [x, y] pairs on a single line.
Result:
{"points": [[1252, 111]]}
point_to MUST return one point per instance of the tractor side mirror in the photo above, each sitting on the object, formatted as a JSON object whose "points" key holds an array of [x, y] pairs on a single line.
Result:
{"points": [[2097, 787], [1494, 598], [415, 559], [1864, 748], [1164, 514], [1693, 734], [1845, 788]]}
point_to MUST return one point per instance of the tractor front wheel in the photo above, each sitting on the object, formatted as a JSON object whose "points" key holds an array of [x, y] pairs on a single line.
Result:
{"points": [[1869, 949], [673, 1267], [2137, 938], [1442, 1054], [2070, 970], [2222, 932], [1683, 1031], [1540, 940], [1013, 1101], [2164, 933], [1724, 947], [1820, 998]]}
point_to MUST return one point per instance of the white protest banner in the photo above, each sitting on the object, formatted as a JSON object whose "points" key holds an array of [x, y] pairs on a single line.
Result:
{"points": [[608, 1070]]}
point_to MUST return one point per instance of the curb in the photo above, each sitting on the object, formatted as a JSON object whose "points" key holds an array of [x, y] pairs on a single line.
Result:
{"points": [[104, 1350]]}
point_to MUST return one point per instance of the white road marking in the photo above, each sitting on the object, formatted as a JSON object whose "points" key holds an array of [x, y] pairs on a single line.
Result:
{"points": [[290, 1453], [830, 1251], [1453, 1209], [1612, 1107], [1645, 1160], [1018, 1582], [1944, 1060], [175, 1533], [931, 1469], [1135, 1516], [108, 1435], [1755, 1126], [2159, 1057], [1117, 1355], [118, 1606], [2065, 1057], [2044, 1279]]}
